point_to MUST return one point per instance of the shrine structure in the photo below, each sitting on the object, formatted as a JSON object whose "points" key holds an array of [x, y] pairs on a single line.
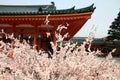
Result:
{"points": [[29, 20]]}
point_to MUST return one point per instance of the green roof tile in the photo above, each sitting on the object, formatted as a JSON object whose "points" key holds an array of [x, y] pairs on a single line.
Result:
{"points": [[40, 9]]}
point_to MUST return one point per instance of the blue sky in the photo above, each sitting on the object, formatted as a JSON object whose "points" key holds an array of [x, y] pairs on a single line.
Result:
{"points": [[103, 16]]}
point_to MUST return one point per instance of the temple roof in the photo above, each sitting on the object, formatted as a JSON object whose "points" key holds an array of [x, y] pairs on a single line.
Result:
{"points": [[40, 9]]}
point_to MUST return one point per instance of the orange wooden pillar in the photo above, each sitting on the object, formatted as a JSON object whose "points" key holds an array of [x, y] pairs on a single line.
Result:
{"points": [[13, 35], [12, 41], [35, 38], [54, 39]]}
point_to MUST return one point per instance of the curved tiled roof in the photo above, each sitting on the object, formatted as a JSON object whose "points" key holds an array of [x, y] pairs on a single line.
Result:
{"points": [[40, 10]]}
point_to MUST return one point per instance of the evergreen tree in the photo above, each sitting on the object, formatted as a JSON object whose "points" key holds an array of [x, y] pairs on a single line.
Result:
{"points": [[114, 32], [114, 36]]}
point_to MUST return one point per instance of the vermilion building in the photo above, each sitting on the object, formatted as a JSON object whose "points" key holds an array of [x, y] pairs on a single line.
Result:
{"points": [[29, 20]]}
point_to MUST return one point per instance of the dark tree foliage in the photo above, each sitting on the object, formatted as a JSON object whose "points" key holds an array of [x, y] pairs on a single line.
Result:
{"points": [[114, 36], [114, 32]]}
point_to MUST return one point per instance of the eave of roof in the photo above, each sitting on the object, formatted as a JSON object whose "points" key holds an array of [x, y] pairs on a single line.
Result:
{"points": [[45, 12]]}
